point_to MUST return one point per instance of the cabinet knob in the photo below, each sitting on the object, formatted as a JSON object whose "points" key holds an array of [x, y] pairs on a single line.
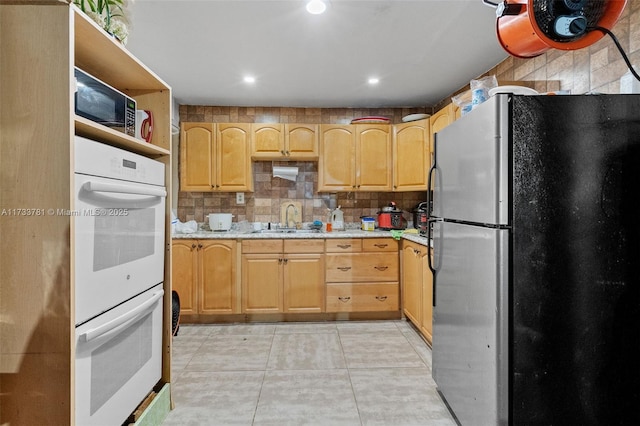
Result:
{"points": [[280, 260], [199, 246], [287, 153], [381, 268], [283, 152], [344, 299], [286, 260], [193, 246]]}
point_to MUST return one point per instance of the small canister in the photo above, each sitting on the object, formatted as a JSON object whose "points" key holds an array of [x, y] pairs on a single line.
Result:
{"points": [[368, 223]]}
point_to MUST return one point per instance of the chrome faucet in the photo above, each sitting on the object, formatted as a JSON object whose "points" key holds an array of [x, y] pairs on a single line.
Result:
{"points": [[286, 216]]}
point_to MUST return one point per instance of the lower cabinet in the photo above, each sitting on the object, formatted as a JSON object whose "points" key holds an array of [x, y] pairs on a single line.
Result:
{"points": [[204, 275], [283, 276], [417, 287], [362, 275]]}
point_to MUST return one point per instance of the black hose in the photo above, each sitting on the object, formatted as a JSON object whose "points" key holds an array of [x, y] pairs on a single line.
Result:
{"points": [[490, 3], [617, 43]]}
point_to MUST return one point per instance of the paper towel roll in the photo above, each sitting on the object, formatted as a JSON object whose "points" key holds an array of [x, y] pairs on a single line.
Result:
{"points": [[288, 173]]}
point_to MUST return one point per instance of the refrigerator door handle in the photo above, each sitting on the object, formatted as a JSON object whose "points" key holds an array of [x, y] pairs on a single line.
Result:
{"points": [[432, 170], [430, 222]]}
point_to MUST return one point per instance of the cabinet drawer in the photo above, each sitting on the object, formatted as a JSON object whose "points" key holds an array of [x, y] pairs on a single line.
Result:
{"points": [[304, 246], [361, 267], [363, 297], [344, 245], [379, 244], [262, 246]]}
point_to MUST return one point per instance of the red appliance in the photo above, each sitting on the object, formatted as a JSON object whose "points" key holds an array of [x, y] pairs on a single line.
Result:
{"points": [[527, 28], [390, 217]]}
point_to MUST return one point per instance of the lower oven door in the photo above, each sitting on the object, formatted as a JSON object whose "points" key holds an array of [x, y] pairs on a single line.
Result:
{"points": [[119, 242], [118, 359]]}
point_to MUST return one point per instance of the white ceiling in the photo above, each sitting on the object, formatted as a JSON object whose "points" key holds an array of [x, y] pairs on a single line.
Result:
{"points": [[421, 50]]}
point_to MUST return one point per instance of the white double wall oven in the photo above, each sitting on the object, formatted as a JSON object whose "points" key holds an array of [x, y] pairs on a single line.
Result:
{"points": [[119, 239]]}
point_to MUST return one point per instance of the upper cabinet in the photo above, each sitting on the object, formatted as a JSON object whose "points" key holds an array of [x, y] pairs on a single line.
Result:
{"points": [[215, 157], [284, 141], [411, 159], [355, 158], [439, 121], [232, 165]]}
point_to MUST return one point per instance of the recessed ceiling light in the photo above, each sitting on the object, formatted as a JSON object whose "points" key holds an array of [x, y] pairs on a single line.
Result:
{"points": [[249, 79], [316, 7], [373, 80]]}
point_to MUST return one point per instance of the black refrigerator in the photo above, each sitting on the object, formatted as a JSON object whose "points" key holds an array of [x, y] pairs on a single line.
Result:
{"points": [[536, 260]]}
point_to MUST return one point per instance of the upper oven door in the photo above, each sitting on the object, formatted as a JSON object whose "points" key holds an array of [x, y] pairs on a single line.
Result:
{"points": [[119, 239]]}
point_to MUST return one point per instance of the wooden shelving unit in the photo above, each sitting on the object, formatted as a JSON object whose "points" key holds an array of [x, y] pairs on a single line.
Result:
{"points": [[40, 43]]}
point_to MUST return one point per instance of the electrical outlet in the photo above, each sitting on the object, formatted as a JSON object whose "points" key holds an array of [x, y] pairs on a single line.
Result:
{"points": [[239, 197]]}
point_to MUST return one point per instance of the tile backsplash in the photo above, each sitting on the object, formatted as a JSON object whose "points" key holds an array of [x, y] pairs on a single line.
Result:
{"points": [[263, 205]]}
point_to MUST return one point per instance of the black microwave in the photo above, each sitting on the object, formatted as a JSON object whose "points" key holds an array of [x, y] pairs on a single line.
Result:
{"points": [[99, 102]]}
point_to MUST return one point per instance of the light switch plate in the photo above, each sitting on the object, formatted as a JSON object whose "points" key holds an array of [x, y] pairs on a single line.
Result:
{"points": [[239, 197]]}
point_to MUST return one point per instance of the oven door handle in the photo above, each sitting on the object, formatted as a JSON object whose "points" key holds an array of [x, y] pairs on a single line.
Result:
{"points": [[123, 320], [117, 188]]}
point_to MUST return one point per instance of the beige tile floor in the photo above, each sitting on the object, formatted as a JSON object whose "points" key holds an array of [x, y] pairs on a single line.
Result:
{"points": [[325, 374]]}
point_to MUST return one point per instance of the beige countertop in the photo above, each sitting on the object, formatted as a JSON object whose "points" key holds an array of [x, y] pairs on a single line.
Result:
{"points": [[349, 233]]}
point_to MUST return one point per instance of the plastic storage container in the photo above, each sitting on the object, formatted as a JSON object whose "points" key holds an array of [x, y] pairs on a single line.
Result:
{"points": [[368, 224]]}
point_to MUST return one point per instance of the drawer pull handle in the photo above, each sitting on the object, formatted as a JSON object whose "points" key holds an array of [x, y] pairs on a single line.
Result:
{"points": [[381, 245], [344, 246], [381, 268], [381, 298], [344, 268], [344, 299]]}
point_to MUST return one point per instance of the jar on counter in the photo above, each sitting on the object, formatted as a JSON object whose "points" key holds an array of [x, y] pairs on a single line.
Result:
{"points": [[368, 223]]}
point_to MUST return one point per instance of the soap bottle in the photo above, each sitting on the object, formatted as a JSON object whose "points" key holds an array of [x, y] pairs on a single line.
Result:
{"points": [[337, 220]]}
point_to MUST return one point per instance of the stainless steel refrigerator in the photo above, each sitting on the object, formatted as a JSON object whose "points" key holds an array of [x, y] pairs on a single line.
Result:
{"points": [[536, 237]]}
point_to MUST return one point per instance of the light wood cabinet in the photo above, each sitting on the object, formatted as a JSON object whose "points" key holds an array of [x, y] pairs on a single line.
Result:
{"points": [[284, 141], [184, 273], [362, 275], [411, 156], [204, 274], [438, 121], [196, 157], [283, 276], [215, 157], [417, 287], [355, 158], [40, 43]]}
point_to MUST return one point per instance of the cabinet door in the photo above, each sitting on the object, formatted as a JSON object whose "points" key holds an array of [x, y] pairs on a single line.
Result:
{"points": [[426, 322], [411, 159], [373, 157], [304, 289], [218, 289], [262, 283], [183, 273], [301, 141], [411, 282], [232, 167], [196, 157], [439, 121], [267, 141], [336, 165]]}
